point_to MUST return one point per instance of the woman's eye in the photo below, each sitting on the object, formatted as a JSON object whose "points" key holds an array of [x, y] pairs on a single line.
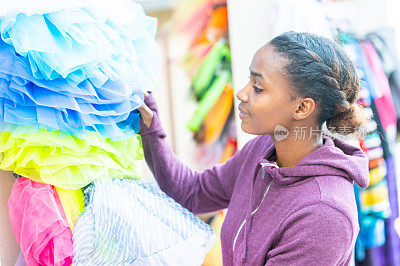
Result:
{"points": [[257, 90]]}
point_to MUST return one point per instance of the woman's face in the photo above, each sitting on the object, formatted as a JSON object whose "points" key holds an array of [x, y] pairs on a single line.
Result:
{"points": [[266, 100]]}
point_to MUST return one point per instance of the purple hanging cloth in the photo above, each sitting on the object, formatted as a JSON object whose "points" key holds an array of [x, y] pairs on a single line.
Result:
{"points": [[392, 247]]}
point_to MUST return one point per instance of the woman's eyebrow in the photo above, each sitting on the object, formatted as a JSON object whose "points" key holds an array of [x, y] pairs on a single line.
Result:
{"points": [[265, 80], [256, 74]]}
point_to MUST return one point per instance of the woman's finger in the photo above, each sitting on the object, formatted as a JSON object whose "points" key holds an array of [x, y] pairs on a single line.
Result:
{"points": [[147, 114], [144, 109]]}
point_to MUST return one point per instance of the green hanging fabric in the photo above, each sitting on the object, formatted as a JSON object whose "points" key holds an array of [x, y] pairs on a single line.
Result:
{"points": [[209, 99], [218, 59]]}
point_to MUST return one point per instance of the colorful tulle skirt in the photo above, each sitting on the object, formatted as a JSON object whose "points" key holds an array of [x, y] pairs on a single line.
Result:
{"points": [[39, 224], [132, 222], [66, 161], [91, 43]]}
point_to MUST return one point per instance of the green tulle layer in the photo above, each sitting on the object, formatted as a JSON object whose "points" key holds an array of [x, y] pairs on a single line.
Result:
{"points": [[66, 161]]}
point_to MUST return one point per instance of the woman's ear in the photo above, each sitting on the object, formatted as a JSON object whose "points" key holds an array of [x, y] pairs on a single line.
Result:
{"points": [[304, 108]]}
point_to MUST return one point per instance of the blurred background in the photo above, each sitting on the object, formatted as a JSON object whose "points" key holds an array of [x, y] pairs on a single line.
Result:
{"points": [[207, 47]]}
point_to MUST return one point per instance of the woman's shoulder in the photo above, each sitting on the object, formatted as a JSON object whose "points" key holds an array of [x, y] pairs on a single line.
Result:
{"points": [[338, 192], [332, 195]]}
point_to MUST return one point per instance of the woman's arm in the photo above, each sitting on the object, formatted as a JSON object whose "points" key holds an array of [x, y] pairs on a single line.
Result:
{"points": [[199, 192]]}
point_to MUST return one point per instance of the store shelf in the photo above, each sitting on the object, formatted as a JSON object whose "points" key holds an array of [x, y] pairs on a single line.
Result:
{"points": [[156, 5]]}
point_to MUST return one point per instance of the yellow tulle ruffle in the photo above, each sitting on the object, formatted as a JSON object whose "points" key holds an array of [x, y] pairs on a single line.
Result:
{"points": [[66, 161]]}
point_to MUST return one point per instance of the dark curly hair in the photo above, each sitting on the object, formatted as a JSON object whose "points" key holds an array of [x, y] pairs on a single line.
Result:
{"points": [[318, 68]]}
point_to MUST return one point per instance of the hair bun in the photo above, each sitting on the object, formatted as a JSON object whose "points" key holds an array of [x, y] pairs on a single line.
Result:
{"points": [[348, 119]]}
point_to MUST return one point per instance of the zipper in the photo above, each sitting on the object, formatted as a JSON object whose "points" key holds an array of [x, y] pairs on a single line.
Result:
{"points": [[253, 212]]}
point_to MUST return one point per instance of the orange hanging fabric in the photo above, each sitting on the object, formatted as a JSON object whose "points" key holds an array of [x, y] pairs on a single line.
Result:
{"points": [[216, 118]]}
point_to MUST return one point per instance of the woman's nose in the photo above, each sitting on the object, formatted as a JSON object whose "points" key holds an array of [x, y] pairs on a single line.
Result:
{"points": [[241, 95]]}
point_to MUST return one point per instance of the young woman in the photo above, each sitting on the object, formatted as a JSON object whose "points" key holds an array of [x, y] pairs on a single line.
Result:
{"points": [[290, 197]]}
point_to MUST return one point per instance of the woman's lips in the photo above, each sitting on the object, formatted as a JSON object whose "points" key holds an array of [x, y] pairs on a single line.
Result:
{"points": [[242, 114]]}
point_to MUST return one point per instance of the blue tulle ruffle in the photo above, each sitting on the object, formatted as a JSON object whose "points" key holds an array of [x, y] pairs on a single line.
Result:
{"points": [[89, 43], [56, 105]]}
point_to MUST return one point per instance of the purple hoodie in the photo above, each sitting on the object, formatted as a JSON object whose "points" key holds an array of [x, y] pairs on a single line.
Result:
{"points": [[298, 215]]}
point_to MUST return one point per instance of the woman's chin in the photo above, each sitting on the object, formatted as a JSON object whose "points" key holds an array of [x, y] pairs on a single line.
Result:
{"points": [[243, 127], [253, 131], [246, 129]]}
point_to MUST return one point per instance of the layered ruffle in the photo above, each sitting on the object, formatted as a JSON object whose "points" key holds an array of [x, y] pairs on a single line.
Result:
{"points": [[72, 204], [134, 222], [66, 161], [56, 105], [87, 43], [39, 224]]}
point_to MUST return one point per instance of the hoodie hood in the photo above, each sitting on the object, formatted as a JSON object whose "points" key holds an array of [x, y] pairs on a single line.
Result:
{"points": [[334, 158]]}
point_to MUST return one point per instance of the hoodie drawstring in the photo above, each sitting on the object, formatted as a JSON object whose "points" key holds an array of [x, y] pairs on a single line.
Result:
{"points": [[249, 215]]}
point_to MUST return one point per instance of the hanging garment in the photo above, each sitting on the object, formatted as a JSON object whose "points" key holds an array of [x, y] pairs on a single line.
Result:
{"points": [[375, 200], [385, 45], [39, 224], [216, 27], [217, 116], [208, 100], [211, 36], [129, 222], [88, 43], [193, 17], [194, 58], [229, 151], [384, 111], [377, 174], [394, 82], [66, 161], [56, 105], [214, 64], [397, 226], [373, 203], [372, 228], [392, 246], [72, 204], [373, 256], [376, 163], [381, 88]]}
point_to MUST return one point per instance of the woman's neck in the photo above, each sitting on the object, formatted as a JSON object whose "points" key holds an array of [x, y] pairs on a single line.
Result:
{"points": [[291, 150]]}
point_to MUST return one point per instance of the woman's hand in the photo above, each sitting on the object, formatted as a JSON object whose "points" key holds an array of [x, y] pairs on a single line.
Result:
{"points": [[146, 113]]}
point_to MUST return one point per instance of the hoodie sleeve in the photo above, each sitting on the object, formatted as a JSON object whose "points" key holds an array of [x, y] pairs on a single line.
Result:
{"points": [[314, 235], [199, 192]]}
